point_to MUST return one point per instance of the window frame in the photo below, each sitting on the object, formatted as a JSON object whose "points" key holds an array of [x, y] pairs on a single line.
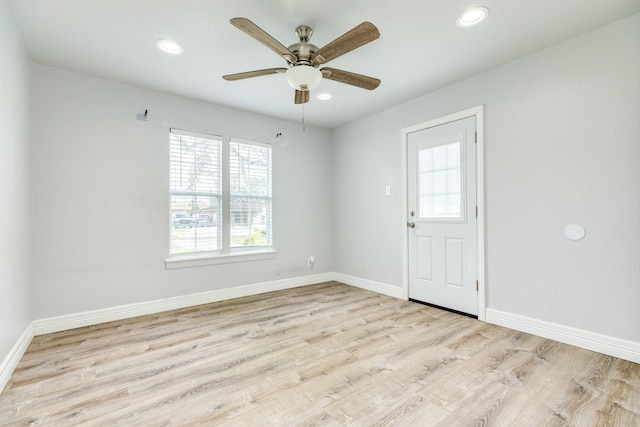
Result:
{"points": [[225, 252], [444, 140]]}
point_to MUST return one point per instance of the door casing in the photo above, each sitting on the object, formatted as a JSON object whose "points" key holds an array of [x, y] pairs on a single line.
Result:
{"points": [[476, 112]]}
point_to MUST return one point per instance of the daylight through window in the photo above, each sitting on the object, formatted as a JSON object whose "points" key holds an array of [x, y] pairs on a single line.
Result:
{"points": [[440, 184], [220, 194]]}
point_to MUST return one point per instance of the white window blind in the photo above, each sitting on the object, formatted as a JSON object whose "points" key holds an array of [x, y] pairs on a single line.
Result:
{"points": [[250, 193], [220, 193], [195, 191]]}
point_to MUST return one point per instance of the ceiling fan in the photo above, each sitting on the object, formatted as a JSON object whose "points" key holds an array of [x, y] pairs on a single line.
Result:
{"points": [[304, 58]]}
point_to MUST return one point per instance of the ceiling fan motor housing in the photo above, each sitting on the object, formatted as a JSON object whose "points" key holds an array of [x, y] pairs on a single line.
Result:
{"points": [[303, 49]]}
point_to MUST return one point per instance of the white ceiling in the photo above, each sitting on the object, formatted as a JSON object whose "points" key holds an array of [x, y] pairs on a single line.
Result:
{"points": [[420, 48]]}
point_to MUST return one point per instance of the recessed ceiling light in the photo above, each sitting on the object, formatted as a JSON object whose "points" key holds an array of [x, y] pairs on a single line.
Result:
{"points": [[169, 46], [324, 96], [472, 16]]}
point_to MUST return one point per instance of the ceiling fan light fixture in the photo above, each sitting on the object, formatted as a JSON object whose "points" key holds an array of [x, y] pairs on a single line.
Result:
{"points": [[169, 46], [472, 16], [303, 77]]}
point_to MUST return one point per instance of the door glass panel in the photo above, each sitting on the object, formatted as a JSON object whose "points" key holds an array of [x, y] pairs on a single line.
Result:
{"points": [[440, 183]]}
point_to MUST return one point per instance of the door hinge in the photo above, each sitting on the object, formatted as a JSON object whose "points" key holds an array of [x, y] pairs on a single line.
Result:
{"points": [[477, 286], [476, 137], [476, 211]]}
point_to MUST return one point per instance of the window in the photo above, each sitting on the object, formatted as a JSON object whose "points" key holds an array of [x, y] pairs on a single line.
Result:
{"points": [[250, 190], [220, 194], [196, 192], [440, 185]]}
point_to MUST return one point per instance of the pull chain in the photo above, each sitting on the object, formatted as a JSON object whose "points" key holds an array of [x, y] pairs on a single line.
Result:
{"points": [[303, 125]]}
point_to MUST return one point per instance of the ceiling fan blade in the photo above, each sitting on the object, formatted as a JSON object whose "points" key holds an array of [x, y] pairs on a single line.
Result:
{"points": [[256, 73], [302, 96], [353, 79], [358, 36], [263, 37]]}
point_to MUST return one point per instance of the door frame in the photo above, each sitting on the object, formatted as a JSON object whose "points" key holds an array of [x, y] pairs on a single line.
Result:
{"points": [[477, 113]]}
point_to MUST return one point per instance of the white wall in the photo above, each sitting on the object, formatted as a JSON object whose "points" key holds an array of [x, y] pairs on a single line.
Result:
{"points": [[15, 188], [101, 209], [562, 145]]}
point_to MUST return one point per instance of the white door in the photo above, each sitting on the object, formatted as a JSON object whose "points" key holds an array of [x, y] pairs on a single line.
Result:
{"points": [[441, 226]]}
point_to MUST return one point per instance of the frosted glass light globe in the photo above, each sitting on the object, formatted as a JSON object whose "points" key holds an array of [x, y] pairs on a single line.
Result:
{"points": [[303, 77]]}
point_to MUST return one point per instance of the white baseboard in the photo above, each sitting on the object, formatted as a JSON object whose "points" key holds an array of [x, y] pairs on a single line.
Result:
{"points": [[10, 362], [623, 349], [369, 285], [94, 317]]}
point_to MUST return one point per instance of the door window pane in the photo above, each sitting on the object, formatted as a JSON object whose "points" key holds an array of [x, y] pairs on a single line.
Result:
{"points": [[440, 182]]}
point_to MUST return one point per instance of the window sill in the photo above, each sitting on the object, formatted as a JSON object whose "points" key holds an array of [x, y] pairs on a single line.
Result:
{"points": [[189, 261]]}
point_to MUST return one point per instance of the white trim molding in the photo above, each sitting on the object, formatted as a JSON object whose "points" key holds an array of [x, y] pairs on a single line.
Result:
{"points": [[10, 362], [110, 314], [94, 317], [189, 261], [370, 285], [616, 347]]}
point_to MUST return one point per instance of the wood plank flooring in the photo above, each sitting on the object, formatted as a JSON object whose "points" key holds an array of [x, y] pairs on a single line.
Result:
{"points": [[327, 354]]}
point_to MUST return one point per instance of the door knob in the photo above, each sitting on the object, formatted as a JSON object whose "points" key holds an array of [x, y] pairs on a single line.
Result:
{"points": [[411, 224]]}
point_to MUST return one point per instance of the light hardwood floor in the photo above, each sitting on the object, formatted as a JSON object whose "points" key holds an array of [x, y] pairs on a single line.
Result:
{"points": [[326, 354]]}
